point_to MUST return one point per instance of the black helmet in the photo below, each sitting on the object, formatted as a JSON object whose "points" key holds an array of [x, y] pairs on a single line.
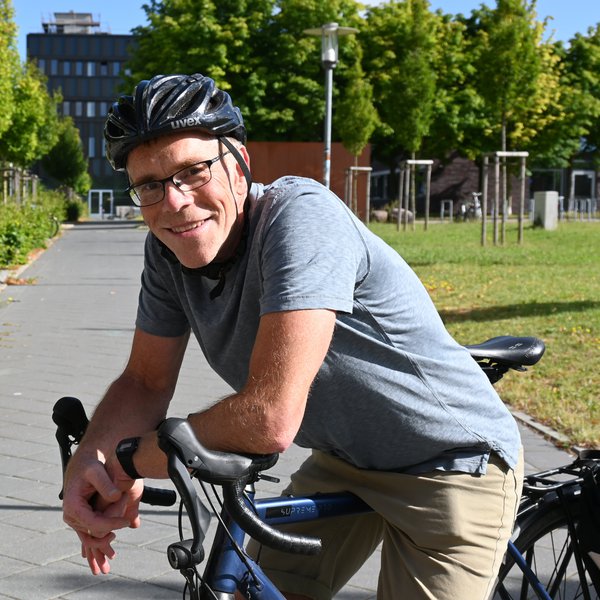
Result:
{"points": [[167, 104]]}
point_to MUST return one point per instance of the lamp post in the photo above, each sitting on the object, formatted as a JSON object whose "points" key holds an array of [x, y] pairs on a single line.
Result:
{"points": [[329, 56]]}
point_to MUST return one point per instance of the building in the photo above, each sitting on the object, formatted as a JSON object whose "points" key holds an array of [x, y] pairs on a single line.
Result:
{"points": [[86, 64]]}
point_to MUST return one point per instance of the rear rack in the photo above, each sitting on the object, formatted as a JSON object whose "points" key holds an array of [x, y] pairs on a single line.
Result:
{"points": [[539, 484]]}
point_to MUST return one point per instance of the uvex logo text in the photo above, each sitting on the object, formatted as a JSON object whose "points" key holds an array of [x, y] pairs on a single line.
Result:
{"points": [[189, 122]]}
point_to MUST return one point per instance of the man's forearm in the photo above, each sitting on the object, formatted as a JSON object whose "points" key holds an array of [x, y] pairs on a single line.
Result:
{"points": [[127, 410]]}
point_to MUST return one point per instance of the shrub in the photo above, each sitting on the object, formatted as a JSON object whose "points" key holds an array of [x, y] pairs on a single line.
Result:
{"points": [[27, 226], [75, 209]]}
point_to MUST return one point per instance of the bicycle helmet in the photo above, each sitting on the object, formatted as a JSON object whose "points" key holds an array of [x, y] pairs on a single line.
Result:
{"points": [[167, 104]]}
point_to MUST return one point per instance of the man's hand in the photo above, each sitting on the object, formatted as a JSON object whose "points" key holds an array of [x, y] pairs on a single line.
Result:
{"points": [[94, 507], [98, 550]]}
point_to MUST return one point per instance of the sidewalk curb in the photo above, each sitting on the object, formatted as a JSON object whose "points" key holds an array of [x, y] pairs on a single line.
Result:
{"points": [[558, 439]]}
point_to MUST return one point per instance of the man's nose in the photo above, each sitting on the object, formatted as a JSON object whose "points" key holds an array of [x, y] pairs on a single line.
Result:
{"points": [[175, 197]]}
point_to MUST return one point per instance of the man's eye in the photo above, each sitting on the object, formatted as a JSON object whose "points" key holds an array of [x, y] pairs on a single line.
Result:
{"points": [[150, 186], [191, 172]]}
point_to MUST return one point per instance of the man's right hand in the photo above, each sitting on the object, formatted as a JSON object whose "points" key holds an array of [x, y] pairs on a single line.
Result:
{"points": [[94, 507]]}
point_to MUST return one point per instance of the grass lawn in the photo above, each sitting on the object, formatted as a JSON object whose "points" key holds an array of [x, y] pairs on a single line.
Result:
{"points": [[549, 287]]}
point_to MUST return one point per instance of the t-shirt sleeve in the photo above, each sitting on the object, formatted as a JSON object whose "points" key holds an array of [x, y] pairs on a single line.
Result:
{"points": [[159, 311], [312, 254]]}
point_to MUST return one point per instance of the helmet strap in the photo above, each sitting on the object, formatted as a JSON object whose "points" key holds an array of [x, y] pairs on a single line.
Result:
{"points": [[240, 160]]}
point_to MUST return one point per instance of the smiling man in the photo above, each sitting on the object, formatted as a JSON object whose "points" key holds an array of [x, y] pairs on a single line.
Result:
{"points": [[328, 340]]}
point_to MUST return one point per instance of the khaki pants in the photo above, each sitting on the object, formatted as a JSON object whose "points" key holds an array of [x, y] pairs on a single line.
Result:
{"points": [[444, 533]]}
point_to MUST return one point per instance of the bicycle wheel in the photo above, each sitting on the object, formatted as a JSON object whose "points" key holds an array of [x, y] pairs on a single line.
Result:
{"points": [[54, 226], [546, 544]]}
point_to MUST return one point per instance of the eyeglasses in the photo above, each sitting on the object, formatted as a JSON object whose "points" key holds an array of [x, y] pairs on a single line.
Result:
{"points": [[186, 179]]}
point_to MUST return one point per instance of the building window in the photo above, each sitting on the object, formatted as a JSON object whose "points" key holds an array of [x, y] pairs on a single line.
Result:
{"points": [[91, 69], [90, 109], [66, 67], [91, 147], [103, 68], [103, 109], [66, 108], [41, 64], [53, 67], [79, 67], [78, 108], [116, 68]]}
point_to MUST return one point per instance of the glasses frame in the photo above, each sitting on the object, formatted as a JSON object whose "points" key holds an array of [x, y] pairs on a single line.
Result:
{"points": [[135, 198]]}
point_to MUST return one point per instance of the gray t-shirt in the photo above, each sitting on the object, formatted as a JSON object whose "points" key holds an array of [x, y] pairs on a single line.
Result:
{"points": [[395, 391]]}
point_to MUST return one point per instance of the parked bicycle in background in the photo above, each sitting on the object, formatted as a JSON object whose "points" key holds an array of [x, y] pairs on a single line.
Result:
{"points": [[470, 210]]}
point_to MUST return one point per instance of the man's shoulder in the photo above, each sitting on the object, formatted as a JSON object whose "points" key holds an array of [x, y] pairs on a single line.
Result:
{"points": [[293, 185], [293, 193]]}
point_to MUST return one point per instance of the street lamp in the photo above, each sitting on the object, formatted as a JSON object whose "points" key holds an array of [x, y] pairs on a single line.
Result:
{"points": [[329, 56]]}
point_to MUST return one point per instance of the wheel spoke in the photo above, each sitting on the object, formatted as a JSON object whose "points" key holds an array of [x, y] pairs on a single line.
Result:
{"points": [[548, 549]]}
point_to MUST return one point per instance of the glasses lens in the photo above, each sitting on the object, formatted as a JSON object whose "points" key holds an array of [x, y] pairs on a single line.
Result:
{"points": [[147, 193], [192, 177]]}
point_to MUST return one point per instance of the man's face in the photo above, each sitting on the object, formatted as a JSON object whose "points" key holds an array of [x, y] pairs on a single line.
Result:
{"points": [[203, 224]]}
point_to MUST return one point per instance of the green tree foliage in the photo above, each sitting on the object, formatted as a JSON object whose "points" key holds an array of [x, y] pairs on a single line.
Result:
{"points": [[581, 86], [33, 130], [256, 50], [215, 38], [457, 107], [297, 78], [9, 63], [66, 161], [509, 71], [399, 55], [437, 83], [355, 115]]}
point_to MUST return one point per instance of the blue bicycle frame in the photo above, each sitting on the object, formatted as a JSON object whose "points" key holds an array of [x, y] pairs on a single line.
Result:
{"points": [[535, 583], [225, 570]]}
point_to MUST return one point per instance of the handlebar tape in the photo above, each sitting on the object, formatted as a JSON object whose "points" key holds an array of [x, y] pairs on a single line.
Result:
{"points": [[265, 534], [158, 496]]}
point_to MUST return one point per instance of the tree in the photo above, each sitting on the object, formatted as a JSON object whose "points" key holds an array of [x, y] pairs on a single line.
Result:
{"points": [[33, 129], [66, 161], [9, 63], [355, 116], [295, 104], [581, 86], [510, 71], [399, 52], [255, 50], [218, 39], [457, 107]]}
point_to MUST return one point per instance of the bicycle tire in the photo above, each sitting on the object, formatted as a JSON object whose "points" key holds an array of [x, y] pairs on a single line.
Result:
{"points": [[544, 540], [54, 226]]}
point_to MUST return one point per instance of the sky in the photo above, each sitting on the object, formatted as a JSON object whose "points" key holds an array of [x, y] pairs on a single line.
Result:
{"points": [[120, 16]]}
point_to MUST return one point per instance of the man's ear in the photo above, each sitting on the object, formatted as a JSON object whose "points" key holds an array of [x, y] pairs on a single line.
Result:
{"points": [[241, 178]]}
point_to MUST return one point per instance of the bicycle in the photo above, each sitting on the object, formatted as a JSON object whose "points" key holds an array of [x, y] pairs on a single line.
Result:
{"points": [[470, 211], [54, 226], [228, 567]]}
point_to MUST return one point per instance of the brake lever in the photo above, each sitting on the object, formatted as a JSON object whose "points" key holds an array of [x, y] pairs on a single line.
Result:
{"points": [[71, 423], [187, 553]]}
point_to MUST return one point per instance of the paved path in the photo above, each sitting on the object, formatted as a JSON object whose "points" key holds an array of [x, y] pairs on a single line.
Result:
{"points": [[69, 334]]}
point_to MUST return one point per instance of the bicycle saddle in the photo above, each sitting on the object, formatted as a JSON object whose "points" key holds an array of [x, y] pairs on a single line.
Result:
{"points": [[509, 349]]}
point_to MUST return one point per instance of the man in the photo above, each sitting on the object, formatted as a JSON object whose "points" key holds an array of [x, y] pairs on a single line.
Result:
{"points": [[327, 338]]}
